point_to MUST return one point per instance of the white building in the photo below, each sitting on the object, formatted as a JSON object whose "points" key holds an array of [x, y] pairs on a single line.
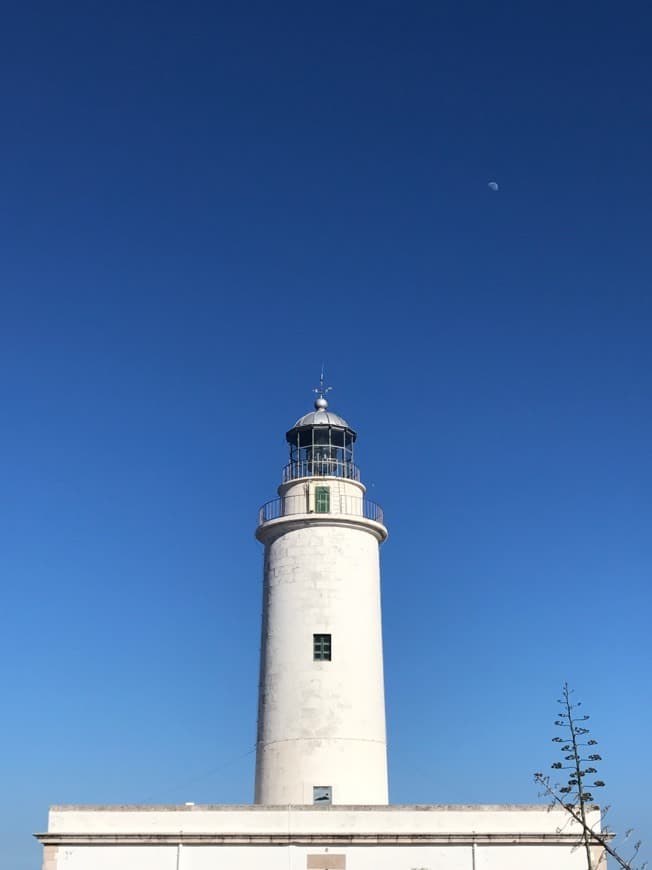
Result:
{"points": [[321, 796], [321, 715]]}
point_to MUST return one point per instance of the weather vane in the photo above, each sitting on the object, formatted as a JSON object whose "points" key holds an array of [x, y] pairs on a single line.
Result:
{"points": [[321, 390]]}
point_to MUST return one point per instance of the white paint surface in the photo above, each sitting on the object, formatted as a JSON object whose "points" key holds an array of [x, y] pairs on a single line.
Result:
{"points": [[321, 723], [371, 838], [440, 820]]}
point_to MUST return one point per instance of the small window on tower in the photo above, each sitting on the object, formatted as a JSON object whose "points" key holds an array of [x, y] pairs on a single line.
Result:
{"points": [[322, 794], [321, 647], [322, 499]]}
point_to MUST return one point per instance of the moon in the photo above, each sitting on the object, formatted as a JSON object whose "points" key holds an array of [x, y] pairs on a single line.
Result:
{"points": [[493, 185]]}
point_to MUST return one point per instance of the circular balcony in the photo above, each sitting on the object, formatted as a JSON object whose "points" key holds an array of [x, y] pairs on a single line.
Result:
{"points": [[320, 468], [339, 505]]}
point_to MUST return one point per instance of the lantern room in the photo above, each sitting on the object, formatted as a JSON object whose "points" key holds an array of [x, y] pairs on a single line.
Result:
{"points": [[321, 445]]}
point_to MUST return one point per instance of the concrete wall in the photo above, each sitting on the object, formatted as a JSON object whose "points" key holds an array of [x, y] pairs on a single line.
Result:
{"points": [[297, 858], [308, 838], [321, 723], [230, 820]]}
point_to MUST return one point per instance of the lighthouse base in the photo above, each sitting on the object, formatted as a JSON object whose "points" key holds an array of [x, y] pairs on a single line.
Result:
{"points": [[195, 837]]}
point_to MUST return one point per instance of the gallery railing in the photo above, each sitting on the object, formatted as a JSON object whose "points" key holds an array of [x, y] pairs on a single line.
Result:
{"points": [[345, 505], [320, 468]]}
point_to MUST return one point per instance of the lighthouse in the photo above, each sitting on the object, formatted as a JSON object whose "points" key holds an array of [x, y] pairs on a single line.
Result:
{"points": [[321, 709], [321, 766]]}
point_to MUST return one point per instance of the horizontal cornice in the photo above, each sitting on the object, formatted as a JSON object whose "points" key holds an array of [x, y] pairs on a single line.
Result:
{"points": [[288, 839]]}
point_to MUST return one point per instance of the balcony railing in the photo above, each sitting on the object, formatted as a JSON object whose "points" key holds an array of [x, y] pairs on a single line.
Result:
{"points": [[320, 468], [340, 505]]}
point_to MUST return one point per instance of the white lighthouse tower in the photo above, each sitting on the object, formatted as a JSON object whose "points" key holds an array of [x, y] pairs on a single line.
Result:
{"points": [[321, 712]]}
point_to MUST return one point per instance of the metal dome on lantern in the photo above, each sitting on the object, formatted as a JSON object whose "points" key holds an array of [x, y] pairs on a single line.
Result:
{"points": [[321, 443]]}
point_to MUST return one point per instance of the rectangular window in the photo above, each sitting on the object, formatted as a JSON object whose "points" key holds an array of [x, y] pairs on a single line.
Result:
{"points": [[321, 647], [322, 499], [322, 794]]}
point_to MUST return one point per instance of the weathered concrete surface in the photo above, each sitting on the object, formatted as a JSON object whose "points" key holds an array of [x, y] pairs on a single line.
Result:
{"points": [[296, 838], [322, 723]]}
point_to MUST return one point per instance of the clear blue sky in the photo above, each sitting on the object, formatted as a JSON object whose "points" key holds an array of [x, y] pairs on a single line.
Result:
{"points": [[203, 201]]}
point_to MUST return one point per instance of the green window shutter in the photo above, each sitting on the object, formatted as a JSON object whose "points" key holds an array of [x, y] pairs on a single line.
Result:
{"points": [[321, 647], [322, 499]]}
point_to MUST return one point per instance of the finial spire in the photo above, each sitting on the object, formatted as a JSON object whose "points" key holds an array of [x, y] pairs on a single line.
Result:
{"points": [[321, 390]]}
